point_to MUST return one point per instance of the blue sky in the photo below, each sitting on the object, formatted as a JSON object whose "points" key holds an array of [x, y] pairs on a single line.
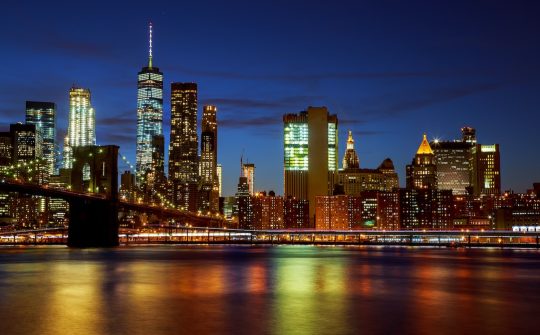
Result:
{"points": [[391, 70]]}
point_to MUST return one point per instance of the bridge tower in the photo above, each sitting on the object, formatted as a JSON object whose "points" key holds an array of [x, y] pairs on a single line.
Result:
{"points": [[94, 222]]}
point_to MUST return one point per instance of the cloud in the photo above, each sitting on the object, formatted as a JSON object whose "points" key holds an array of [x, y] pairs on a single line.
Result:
{"points": [[262, 121], [312, 76], [433, 98], [128, 119], [291, 102]]}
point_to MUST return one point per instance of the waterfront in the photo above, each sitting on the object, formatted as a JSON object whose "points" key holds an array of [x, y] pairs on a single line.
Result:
{"points": [[274, 290]]}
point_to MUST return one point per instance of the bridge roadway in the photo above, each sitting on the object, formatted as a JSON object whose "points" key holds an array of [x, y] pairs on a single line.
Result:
{"points": [[205, 235]]}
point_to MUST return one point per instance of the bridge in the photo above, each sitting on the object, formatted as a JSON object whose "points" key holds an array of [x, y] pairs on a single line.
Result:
{"points": [[93, 199]]}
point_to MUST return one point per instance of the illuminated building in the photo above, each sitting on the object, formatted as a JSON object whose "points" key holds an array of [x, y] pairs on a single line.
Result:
{"points": [[43, 116], [25, 143], [368, 200], [183, 157], [453, 165], [127, 186], [209, 193], [149, 112], [296, 213], [244, 205], [82, 124], [350, 159], [6, 151], [425, 209], [468, 135], [58, 209], [453, 162], [356, 180], [337, 212], [249, 173], [388, 210], [267, 211], [485, 169], [422, 173], [310, 155], [219, 171], [521, 212]]}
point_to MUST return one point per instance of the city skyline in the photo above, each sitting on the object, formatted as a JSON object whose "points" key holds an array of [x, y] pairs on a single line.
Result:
{"points": [[467, 100]]}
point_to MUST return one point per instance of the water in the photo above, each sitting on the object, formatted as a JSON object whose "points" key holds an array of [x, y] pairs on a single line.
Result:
{"points": [[268, 290]]}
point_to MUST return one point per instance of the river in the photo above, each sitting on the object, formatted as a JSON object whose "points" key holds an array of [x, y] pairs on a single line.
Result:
{"points": [[268, 290]]}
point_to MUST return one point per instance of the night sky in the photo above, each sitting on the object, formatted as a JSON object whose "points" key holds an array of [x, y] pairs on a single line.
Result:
{"points": [[391, 70]]}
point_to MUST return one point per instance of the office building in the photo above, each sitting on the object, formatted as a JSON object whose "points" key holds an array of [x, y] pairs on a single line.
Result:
{"points": [[82, 123], [249, 173], [43, 116], [310, 155], [183, 146], [356, 180], [422, 173], [149, 113], [485, 169]]}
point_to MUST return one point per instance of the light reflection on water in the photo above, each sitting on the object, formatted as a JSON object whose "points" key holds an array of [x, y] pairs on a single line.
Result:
{"points": [[270, 290]]}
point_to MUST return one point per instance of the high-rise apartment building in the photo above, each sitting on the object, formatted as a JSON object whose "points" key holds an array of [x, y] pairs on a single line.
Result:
{"points": [[82, 123], [310, 155], [338, 212], [422, 173], [249, 173], [149, 112], [43, 116], [244, 206], [267, 211], [183, 147]]}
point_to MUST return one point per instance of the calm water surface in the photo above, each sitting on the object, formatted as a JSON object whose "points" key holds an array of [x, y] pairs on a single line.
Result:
{"points": [[268, 290]]}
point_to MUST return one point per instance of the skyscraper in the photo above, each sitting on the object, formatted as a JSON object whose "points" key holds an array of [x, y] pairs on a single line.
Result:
{"points": [[422, 173], [219, 171], [249, 173], [82, 123], [43, 116], [244, 205], [486, 169], [149, 112], [350, 159], [452, 159], [183, 158], [209, 190], [310, 155]]}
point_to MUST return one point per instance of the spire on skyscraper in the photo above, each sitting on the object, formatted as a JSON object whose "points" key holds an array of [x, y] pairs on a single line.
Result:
{"points": [[350, 160], [150, 46], [424, 148]]}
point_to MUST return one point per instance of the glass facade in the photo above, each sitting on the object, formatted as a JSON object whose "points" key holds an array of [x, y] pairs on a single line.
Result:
{"points": [[82, 125], [296, 146], [149, 115], [332, 147], [43, 116]]}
